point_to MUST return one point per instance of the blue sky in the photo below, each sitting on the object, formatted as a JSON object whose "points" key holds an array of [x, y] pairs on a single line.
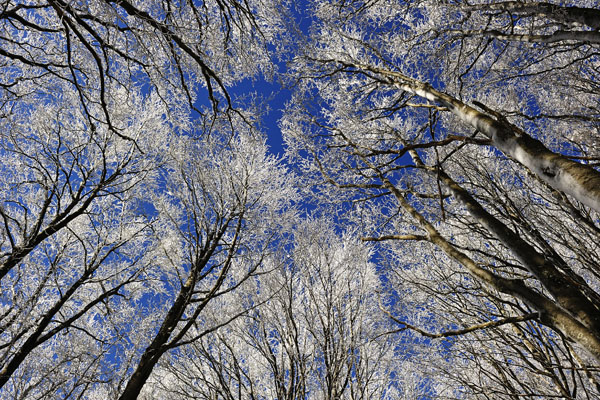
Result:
{"points": [[275, 98], [273, 93]]}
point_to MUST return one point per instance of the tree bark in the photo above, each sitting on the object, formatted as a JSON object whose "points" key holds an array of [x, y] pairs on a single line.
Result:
{"points": [[551, 314], [564, 290], [574, 15], [578, 180], [557, 36]]}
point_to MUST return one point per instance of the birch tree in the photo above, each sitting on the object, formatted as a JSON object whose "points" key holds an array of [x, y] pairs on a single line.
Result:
{"points": [[438, 131]]}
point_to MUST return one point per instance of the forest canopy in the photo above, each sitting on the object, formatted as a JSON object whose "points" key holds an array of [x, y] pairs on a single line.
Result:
{"points": [[431, 229]]}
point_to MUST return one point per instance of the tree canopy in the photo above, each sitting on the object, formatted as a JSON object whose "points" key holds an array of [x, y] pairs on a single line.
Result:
{"points": [[432, 229]]}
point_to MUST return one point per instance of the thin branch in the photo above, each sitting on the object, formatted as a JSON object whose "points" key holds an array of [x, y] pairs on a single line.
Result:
{"points": [[393, 237], [472, 328]]}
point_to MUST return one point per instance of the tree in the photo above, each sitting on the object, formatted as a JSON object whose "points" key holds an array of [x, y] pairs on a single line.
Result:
{"points": [[222, 211], [71, 232], [91, 116], [150, 246], [174, 47], [316, 332], [502, 190], [142, 262]]}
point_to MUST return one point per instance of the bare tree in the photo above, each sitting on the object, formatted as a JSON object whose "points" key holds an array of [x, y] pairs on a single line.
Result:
{"points": [[439, 137], [317, 333], [95, 97], [221, 213], [173, 47], [70, 228], [150, 246]]}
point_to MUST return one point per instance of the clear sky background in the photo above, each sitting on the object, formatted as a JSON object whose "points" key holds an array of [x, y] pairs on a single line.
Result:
{"points": [[273, 93]]}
